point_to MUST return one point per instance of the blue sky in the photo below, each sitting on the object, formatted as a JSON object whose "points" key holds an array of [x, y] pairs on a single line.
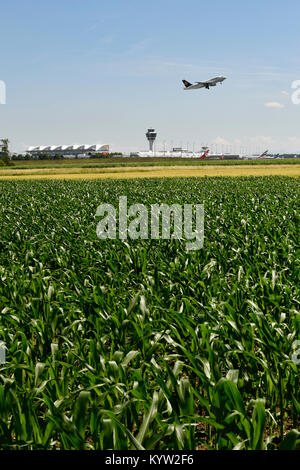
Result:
{"points": [[92, 71]]}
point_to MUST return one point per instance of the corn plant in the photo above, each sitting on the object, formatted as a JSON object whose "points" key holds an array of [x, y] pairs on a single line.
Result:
{"points": [[138, 344]]}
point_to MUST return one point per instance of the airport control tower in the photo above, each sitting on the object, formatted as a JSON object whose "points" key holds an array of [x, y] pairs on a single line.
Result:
{"points": [[151, 136]]}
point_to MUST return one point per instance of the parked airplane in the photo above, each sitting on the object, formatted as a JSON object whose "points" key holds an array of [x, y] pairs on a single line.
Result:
{"points": [[263, 154], [204, 154], [207, 84], [257, 157]]}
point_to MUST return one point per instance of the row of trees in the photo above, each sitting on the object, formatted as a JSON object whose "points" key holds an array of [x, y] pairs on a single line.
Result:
{"points": [[21, 158], [4, 153], [46, 156]]}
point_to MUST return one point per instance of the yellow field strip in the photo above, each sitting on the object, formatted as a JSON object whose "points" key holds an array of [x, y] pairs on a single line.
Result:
{"points": [[149, 172]]}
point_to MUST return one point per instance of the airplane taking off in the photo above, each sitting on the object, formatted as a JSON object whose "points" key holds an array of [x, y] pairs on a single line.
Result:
{"points": [[207, 84]]}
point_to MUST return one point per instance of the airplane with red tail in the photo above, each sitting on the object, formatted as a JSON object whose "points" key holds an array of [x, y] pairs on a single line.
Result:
{"points": [[204, 155], [263, 154], [255, 157]]}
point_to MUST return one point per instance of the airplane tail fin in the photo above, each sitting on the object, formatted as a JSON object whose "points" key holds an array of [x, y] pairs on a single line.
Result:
{"points": [[204, 154], [263, 154], [186, 83]]}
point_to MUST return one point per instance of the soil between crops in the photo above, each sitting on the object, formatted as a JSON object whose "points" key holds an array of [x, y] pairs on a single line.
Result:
{"points": [[148, 172]]}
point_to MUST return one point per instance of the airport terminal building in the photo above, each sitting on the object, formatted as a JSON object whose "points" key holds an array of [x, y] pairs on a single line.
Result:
{"points": [[68, 151]]}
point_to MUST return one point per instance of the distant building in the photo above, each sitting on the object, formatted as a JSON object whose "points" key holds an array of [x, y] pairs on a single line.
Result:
{"points": [[68, 151]]}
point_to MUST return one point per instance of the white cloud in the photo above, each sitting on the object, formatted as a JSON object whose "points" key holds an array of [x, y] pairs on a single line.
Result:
{"points": [[274, 104], [285, 93], [262, 140], [220, 141]]}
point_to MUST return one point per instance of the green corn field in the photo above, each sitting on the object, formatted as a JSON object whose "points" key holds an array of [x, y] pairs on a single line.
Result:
{"points": [[139, 344]]}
